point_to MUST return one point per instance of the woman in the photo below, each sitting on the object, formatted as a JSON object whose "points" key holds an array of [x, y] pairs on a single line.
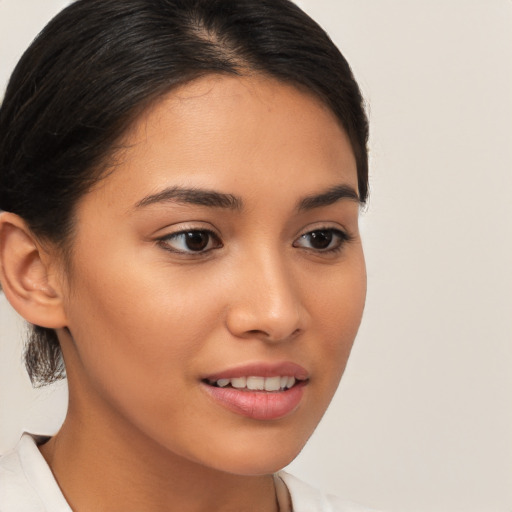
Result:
{"points": [[181, 182]]}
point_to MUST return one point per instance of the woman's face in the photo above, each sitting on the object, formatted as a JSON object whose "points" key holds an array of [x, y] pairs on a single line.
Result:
{"points": [[221, 255]]}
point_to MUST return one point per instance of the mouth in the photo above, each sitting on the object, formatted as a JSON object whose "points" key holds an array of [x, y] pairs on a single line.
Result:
{"points": [[256, 383], [259, 392]]}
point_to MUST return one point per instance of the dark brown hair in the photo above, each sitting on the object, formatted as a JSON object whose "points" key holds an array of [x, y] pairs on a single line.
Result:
{"points": [[99, 63]]}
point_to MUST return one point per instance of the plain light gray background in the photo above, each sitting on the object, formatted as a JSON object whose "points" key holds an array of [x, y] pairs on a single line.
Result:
{"points": [[423, 418]]}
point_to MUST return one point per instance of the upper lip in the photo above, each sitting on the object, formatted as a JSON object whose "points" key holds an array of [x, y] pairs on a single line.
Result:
{"points": [[261, 369]]}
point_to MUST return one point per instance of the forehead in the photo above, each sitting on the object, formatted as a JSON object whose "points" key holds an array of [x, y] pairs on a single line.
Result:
{"points": [[224, 131]]}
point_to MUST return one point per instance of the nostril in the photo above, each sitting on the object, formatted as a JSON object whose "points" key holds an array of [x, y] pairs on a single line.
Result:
{"points": [[273, 336]]}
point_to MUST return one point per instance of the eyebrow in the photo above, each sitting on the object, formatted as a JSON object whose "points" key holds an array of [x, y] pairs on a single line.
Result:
{"points": [[196, 196], [330, 196], [214, 199]]}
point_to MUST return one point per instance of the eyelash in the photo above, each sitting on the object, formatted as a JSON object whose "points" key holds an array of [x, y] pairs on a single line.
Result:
{"points": [[164, 241], [340, 238]]}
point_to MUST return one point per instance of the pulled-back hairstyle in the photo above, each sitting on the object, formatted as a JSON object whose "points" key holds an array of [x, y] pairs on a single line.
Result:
{"points": [[99, 63]]}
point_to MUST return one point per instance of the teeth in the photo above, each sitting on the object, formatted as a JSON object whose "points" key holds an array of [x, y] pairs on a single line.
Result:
{"points": [[272, 383], [239, 382], [255, 383]]}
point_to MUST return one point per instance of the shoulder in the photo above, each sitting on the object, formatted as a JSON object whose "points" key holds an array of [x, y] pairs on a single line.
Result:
{"points": [[26, 481], [306, 498], [16, 493]]}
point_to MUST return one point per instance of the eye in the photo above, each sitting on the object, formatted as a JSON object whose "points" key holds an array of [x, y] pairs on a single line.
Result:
{"points": [[322, 240], [191, 241]]}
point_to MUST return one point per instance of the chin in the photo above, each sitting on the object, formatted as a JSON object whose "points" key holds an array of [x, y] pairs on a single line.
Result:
{"points": [[264, 465], [258, 454]]}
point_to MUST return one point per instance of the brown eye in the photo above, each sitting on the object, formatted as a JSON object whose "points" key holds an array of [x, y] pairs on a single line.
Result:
{"points": [[193, 241], [196, 240], [322, 240]]}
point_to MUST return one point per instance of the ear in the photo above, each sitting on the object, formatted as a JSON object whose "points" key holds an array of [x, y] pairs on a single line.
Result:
{"points": [[26, 274]]}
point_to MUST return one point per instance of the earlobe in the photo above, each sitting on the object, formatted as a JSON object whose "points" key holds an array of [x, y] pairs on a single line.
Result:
{"points": [[25, 275]]}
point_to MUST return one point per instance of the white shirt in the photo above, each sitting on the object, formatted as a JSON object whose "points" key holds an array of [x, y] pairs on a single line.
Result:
{"points": [[28, 485]]}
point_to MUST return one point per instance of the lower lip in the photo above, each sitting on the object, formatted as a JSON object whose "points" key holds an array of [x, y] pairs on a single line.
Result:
{"points": [[258, 405]]}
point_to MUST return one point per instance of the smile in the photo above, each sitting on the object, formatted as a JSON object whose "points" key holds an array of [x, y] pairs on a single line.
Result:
{"points": [[253, 383], [259, 391]]}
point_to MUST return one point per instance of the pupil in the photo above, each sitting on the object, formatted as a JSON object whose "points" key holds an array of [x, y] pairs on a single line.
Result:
{"points": [[321, 239], [196, 241]]}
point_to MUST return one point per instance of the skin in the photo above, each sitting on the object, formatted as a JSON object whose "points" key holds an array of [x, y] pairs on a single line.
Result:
{"points": [[143, 321]]}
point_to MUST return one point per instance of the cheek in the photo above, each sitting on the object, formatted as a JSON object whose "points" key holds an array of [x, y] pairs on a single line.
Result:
{"points": [[135, 325], [138, 342], [337, 308], [338, 299]]}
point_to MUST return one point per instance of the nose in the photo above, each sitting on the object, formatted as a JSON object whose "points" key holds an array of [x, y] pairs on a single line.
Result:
{"points": [[266, 300]]}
